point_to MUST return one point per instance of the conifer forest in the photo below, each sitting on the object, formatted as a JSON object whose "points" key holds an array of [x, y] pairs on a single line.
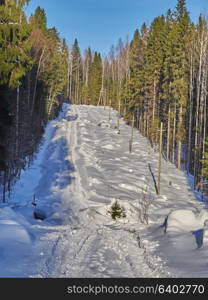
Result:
{"points": [[161, 75]]}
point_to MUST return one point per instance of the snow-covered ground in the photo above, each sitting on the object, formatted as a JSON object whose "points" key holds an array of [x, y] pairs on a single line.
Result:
{"points": [[81, 169]]}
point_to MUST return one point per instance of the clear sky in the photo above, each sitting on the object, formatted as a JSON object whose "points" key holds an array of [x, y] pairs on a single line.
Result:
{"points": [[100, 23]]}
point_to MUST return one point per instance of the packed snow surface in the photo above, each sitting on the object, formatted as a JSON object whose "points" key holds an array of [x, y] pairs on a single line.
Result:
{"points": [[82, 167]]}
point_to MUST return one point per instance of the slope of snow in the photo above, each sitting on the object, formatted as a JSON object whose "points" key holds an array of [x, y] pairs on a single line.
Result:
{"points": [[81, 169], [185, 220]]}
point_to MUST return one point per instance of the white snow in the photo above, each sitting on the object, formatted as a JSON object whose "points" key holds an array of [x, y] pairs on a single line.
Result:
{"points": [[184, 220], [81, 169]]}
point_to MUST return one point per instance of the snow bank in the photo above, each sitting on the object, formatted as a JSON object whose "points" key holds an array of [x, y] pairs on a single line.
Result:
{"points": [[183, 220]]}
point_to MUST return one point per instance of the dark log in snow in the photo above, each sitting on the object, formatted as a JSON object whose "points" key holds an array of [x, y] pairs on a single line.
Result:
{"points": [[39, 214]]}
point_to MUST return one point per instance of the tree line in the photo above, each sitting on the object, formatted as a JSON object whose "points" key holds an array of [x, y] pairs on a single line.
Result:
{"points": [[159, 76], [33, 79]]}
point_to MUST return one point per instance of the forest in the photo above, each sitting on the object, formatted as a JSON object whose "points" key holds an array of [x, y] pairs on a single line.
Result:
{"points": [[160, 76], [33, 77]]}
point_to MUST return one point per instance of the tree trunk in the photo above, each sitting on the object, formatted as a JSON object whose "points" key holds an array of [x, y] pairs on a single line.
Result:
{"points": [[198, 87], [174, 135], [160, 159], [168, 136], [132, 135], [17, 124], [36, 81], [180, 138], [190, 115]]}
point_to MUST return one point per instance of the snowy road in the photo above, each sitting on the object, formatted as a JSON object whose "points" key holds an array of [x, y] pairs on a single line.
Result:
{"points": [[82, 168], [104, 170]]}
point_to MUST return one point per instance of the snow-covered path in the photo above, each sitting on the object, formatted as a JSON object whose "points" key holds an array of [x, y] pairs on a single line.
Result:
{"points": [[83, 167], [98, 246]]}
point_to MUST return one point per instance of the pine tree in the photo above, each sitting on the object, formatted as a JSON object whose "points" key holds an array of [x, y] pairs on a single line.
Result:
{"points": [[135, 84], [76, 72], [15, 45], [153, 65], [117, 211], [176, 81], [181, 10], [87, 65], [95, 78], [39, 18], [55, 75], [15, 61]]}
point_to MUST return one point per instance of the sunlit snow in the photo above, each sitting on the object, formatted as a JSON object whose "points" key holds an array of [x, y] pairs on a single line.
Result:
{"points": [[83, 166]]}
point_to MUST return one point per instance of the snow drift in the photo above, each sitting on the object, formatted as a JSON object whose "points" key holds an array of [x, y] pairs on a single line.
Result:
{"points": [[183, 220]]}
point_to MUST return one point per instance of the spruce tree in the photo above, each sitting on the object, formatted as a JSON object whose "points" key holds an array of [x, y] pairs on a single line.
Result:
{"points": [[181, 10], [39, 18], [95, 78], [153, 65], [76, 72], [136, 82], [15, 45], [87, 65]]}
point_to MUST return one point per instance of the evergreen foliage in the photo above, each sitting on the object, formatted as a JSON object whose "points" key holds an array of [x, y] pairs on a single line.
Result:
{"points": [[159, 76], [33, 79], [95, 78], [117, 211]]}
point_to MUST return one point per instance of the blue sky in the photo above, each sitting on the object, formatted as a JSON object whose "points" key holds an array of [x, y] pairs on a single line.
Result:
{"points": [[100, 23]]}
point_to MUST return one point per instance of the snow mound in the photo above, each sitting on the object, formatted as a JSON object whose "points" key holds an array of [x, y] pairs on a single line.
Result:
{"points": [[12, 228], [183, 220]]}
